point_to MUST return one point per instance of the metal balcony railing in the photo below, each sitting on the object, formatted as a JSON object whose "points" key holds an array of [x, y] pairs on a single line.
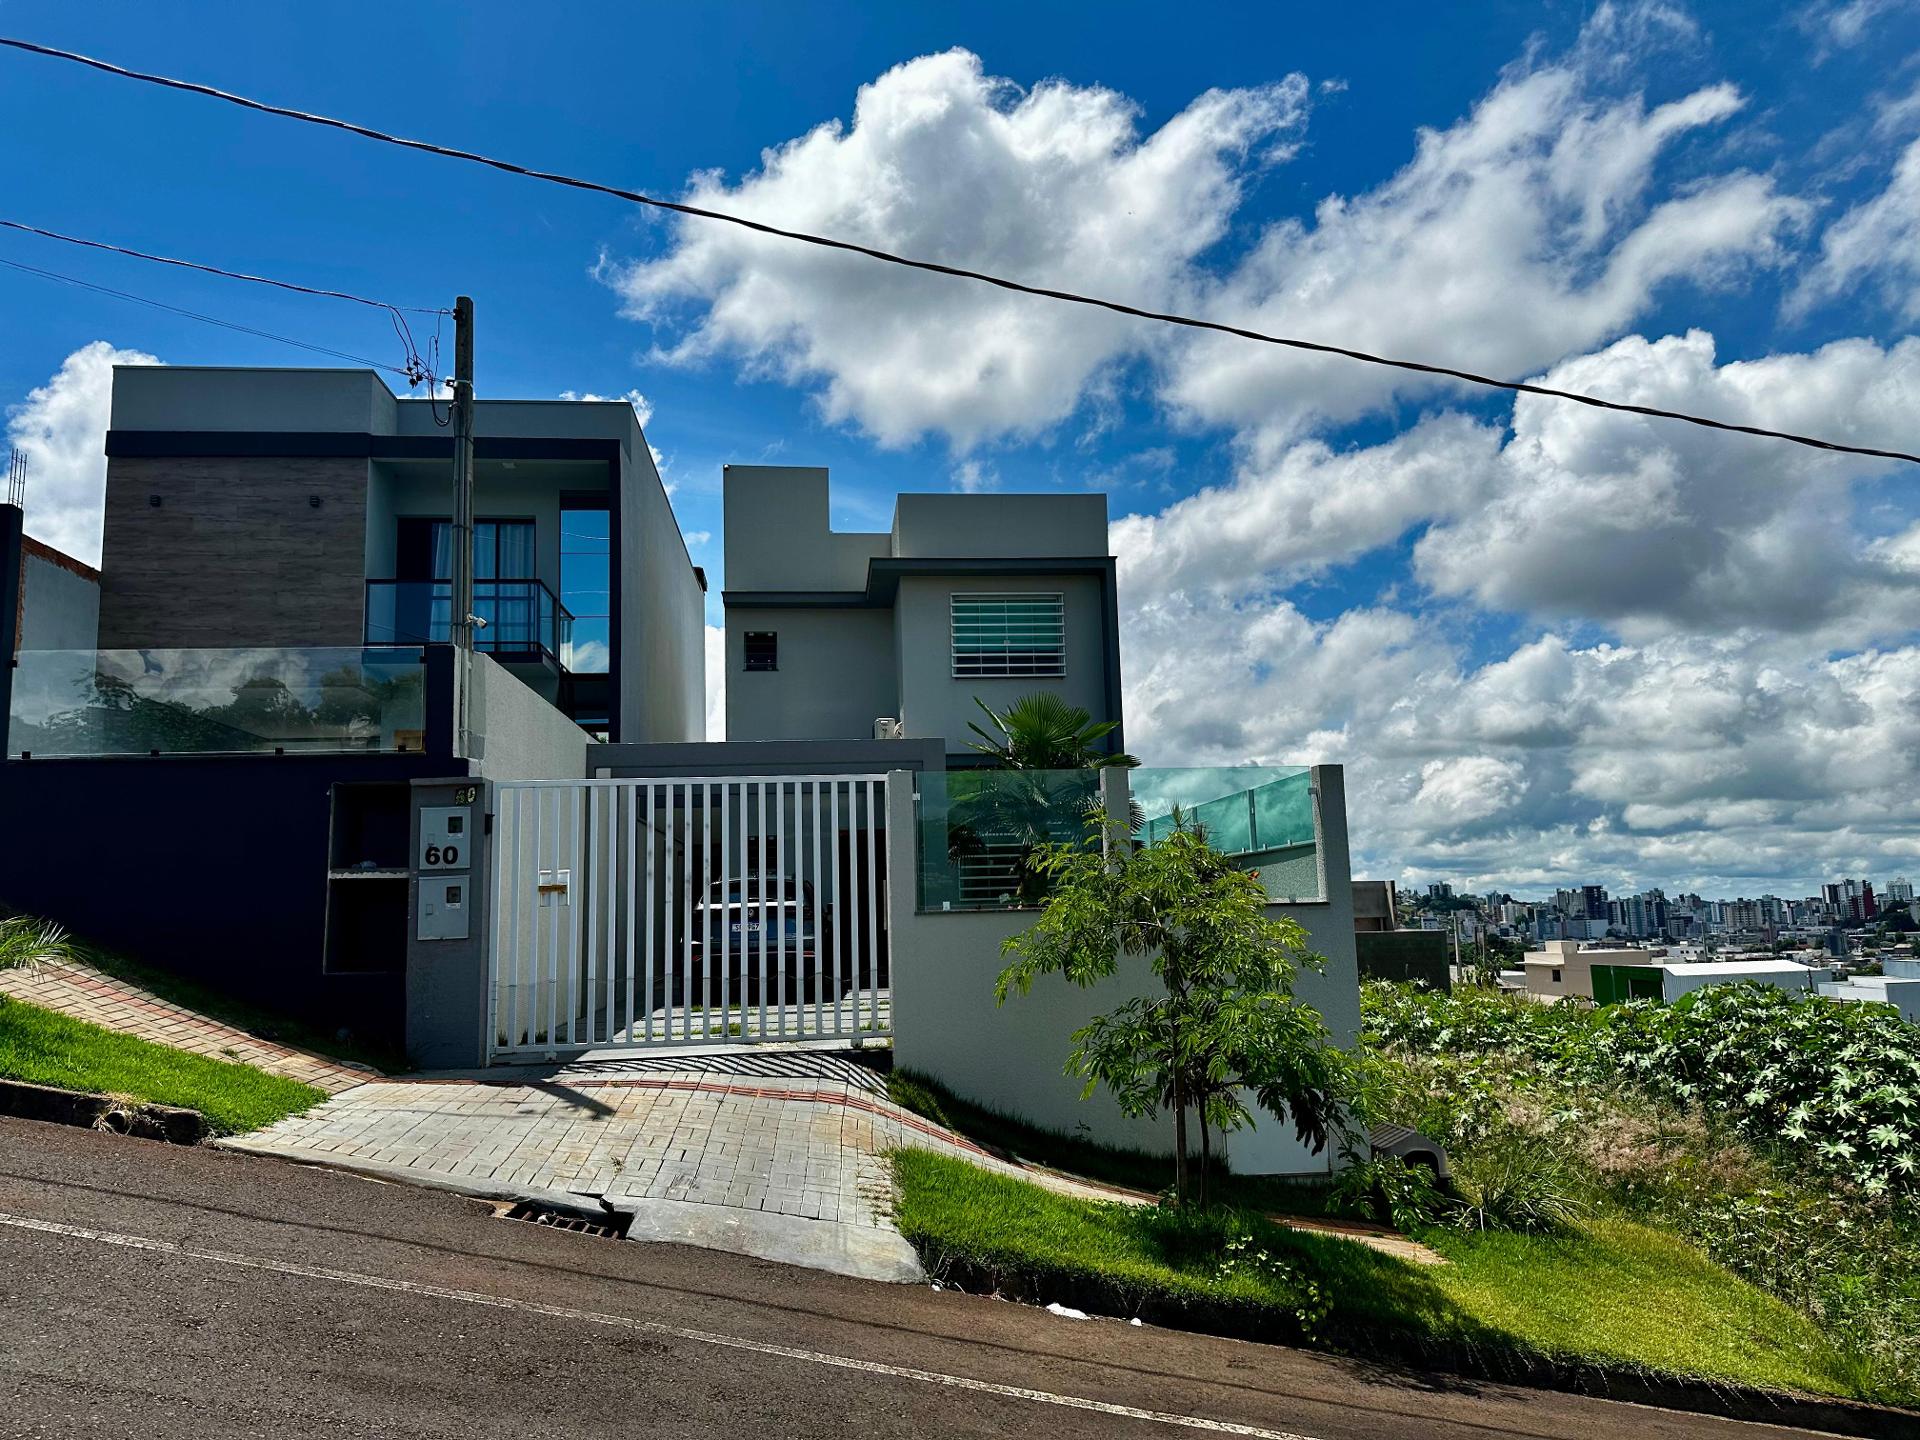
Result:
{"points": [[522, 616]]}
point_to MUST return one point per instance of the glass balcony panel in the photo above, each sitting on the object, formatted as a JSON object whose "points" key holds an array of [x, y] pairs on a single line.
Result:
{"points": [[137, 702]]}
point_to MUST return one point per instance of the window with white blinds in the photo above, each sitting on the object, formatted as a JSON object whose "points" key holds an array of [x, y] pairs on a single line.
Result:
{"points": [[1009, 635]]}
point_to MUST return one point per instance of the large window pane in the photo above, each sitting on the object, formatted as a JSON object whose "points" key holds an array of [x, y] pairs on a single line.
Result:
{"points": [[586, 589]]}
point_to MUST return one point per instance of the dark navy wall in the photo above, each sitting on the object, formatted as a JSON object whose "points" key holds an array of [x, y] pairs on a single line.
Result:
{"points": [[212, 866]]}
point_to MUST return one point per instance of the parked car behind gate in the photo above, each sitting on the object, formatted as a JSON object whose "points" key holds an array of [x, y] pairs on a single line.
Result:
{"points": [[755, 925]]}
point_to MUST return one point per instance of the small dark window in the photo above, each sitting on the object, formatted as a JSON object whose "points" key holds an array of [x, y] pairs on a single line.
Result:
{"points": [[763, 650], [1556, 977]]}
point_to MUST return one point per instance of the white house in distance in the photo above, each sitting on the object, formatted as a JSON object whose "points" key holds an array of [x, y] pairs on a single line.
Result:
{"points": [[1608, 976], [1898, 987]]}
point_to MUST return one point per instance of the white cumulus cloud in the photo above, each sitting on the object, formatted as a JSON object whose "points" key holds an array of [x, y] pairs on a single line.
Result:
{"points": [[642, 407], [716, 682], [1054, 185], [61, 427], [1529, 229], [1649, 524]]}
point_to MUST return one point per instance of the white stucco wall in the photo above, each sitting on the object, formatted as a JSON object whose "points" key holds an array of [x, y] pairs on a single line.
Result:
{"points": [[1901, 993]]}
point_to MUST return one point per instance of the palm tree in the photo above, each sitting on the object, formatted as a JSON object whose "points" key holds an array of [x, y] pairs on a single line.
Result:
{"points": [[1017, 814], [26, 942], [1043, 732]]}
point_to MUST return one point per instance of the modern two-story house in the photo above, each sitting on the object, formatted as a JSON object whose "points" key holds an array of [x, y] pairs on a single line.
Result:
{"points": [[251, 508], [894, 634], [219, 731]]}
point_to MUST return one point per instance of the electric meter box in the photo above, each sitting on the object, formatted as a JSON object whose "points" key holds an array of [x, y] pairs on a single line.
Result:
{"points": [[446, 837], [443, 907]]}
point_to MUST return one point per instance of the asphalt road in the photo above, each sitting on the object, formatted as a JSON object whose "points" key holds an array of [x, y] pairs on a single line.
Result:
{"points": [[158, 1292]]}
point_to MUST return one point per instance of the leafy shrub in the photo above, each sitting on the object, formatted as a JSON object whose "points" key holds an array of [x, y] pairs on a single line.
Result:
{"points": [[1386, 1189], [1839, 1083]]}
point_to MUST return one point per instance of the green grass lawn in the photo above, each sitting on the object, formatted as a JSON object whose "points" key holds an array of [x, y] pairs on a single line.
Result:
{"points": [[47, 1048], [1112, 1165], [1609, 1293]]}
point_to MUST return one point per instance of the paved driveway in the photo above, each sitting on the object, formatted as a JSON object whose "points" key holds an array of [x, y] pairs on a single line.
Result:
{"points": [[776, 1154]]}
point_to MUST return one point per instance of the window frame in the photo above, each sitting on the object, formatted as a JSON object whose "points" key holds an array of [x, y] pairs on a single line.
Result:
{"points": [[1039, 670], [747, 667]]}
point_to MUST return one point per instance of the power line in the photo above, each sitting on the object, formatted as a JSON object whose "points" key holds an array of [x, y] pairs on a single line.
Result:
{"points": [[216, 270], [207, 319], [1446, 372], [417, 368]]}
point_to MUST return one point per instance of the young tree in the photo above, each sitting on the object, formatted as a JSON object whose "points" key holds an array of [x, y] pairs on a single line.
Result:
{"points": [[1223, 1022]]}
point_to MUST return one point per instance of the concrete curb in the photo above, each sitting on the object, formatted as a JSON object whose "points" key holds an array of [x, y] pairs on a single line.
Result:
{"points": [[862, 1252], [1726, 1399], [171, 1123]]}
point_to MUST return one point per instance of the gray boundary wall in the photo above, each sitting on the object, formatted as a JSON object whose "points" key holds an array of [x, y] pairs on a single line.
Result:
{"points": [[523, 737], [1011, 1058]]}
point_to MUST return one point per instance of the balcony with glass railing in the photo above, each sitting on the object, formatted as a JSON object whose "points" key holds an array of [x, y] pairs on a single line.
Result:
{"points": [[979, 830], [69, 703], [523, 621]]}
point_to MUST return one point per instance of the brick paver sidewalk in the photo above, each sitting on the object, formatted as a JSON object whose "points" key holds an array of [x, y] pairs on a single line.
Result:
{"points": [[100, 999]]}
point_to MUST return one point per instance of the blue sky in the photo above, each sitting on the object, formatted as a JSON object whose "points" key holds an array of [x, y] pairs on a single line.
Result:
{"points": [[1372, 574]]}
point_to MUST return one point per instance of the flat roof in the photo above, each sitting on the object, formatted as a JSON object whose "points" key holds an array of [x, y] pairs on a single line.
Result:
{"points": [[1740, 967]]}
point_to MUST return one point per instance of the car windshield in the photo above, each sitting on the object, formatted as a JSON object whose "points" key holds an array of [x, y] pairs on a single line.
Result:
{"points": [[784, 888]]}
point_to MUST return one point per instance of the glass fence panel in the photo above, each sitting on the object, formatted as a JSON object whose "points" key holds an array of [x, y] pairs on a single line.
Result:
{"points": [[978, 829], [1262, 816], [1242, 809], [139, 702]]}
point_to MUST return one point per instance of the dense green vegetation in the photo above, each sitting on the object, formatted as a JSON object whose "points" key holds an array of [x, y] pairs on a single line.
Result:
{"points": [[1777, 1133], [47, 1048], [1613, 1294]]}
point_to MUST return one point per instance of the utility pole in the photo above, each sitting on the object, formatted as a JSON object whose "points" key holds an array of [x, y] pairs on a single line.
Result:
{"points": [[462, 630]]}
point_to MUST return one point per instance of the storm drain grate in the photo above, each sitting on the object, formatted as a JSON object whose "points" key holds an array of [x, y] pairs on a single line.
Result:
{"points": [[604, 1225]]}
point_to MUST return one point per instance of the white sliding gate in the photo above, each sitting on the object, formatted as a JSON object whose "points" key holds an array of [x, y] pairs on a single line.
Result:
{"points": [[634, 913]]}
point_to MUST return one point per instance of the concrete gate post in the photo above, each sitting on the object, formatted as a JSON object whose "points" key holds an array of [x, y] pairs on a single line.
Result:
{"points": [[449, 915]]}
